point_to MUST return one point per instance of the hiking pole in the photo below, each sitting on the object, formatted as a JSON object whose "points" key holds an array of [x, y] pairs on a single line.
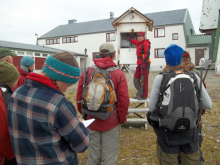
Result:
{"points": [[209, 65], [84, 83], [84, 79], [202, 64]]}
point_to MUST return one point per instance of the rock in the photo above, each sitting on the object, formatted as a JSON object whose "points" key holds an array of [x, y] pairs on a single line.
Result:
{"points": [[218, 141]]}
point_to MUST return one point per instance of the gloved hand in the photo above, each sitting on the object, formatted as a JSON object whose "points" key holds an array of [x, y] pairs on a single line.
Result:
{"points": [[143, 67], [128, 39]]}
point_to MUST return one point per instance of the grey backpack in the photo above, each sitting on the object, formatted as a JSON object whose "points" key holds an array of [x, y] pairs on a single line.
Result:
{"points": [[98, 98], [177, 107]]}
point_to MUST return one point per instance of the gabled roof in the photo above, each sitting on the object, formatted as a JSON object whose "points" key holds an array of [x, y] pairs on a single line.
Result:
{"points": [[198, 39], [133, 10], [29, 47], [159, 18]]}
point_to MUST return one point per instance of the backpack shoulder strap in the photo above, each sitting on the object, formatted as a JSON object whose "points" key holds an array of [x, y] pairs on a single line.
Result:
{"points": [[111, 69]]}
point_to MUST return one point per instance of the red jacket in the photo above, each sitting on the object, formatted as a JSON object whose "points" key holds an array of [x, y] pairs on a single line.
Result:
{"points": [[21, 79], [5, 141], [146, 44], [121, 88]]}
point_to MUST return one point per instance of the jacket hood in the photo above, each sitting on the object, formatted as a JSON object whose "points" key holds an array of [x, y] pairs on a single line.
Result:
{"points": [[104, 63], [22, 72]]}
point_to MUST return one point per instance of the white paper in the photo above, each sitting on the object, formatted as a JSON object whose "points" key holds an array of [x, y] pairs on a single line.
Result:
{"points": [[88, 122]]}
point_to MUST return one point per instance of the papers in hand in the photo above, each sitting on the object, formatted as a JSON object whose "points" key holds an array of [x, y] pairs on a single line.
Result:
{"points": [[88, 122]]}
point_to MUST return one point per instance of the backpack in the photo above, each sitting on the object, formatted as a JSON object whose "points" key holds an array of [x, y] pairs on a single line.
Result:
{"points": [[177, 108], [98, 98]]}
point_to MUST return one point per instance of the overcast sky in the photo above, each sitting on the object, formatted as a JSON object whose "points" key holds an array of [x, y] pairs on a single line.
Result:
{"points": [[21, 19]]}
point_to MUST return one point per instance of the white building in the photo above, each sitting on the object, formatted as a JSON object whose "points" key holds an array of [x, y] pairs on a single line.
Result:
{"points": [[169, 27]]}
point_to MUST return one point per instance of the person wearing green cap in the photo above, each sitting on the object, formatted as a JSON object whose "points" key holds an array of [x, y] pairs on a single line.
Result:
{"points": [[26, 67], [8, 80], [6, 55]]}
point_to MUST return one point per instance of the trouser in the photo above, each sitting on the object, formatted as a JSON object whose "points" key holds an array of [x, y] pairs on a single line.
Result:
{"points": [[141, 80], [172, 159], [104, 146]]}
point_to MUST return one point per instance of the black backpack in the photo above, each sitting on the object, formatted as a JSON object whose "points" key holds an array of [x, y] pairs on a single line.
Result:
{"points": [[177, 107]]}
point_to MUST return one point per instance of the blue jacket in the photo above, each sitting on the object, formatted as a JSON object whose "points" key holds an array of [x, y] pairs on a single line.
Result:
{"points": [[43, 125]]}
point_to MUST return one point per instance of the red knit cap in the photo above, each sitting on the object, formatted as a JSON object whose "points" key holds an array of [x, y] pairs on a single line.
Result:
{"points": [[141, 34]]}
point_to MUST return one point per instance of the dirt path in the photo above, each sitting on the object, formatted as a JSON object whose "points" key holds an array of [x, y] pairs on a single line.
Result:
{"points": [[137, 145]]}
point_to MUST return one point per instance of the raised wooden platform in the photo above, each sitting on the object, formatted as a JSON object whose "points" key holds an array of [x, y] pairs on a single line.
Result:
{"points": [[136, 110]]}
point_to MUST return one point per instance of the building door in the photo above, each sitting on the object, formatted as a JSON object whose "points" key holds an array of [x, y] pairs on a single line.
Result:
{"points": [[199, 54]]}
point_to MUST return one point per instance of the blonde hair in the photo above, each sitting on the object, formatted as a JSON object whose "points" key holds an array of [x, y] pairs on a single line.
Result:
{"points": [[168, 67]]}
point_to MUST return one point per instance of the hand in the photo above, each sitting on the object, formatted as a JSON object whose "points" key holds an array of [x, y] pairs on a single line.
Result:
{"points": [[128, 39], [80, 119]]}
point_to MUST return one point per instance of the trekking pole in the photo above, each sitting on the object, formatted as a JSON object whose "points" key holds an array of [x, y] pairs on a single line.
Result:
{"points": [[209, 65], [84, 84], [201, 63]]}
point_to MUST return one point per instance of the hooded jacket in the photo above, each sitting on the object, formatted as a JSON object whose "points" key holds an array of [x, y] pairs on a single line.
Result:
{"points": [[21, 79], [146, 44], [121, 89], [5, 141]]}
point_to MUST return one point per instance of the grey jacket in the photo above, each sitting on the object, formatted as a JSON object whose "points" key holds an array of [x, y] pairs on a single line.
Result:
{"points": [[206, 101]]}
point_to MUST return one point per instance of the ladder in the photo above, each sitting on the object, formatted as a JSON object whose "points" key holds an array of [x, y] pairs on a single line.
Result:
{"points": [[136, 109]]}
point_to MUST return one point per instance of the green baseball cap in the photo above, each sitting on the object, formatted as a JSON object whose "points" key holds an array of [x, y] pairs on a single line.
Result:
{"points": [[6, 52]]}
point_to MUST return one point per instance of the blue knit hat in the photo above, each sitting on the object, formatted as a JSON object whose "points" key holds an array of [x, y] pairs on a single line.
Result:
{"points": [[60, 71], [173, 55], [27, 61]]}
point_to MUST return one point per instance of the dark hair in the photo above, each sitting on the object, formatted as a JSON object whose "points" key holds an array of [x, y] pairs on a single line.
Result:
{"points": [[103, 54]]}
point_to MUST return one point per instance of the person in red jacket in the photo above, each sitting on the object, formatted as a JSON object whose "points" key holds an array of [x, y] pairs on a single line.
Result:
{"points": [[8, 80], [143, 61], [27, 66], [105, 134]]}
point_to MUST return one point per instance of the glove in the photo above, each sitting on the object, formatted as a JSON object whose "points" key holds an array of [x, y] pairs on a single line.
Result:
{"points": [[143, 67], [128, 39]]}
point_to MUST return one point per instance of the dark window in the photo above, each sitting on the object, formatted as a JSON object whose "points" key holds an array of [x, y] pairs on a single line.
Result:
{"points": [[175, 36], [159, 53], [159, 32], [110, 37], [95, 55]]}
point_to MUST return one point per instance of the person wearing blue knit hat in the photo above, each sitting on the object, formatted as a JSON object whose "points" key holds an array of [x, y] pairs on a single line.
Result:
{"points": [[39, 110], [26, 67], [173, 110]]}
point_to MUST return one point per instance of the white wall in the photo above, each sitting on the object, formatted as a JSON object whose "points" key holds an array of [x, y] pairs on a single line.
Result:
{"points": [[192, 52], [89, 41], [164, 42], [93, 41]]}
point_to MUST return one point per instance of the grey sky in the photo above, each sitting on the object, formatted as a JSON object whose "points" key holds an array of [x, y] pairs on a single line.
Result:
{"points": [[21, 19]]}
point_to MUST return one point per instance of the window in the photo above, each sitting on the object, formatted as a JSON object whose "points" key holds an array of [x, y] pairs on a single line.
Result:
{"points": [[159, 32], [37, 54], [52, 41], [175, 36], [159, 53], [29, 54], [70, 39], [21, 53], [95, 55], [110, 37], [44, 55]]}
